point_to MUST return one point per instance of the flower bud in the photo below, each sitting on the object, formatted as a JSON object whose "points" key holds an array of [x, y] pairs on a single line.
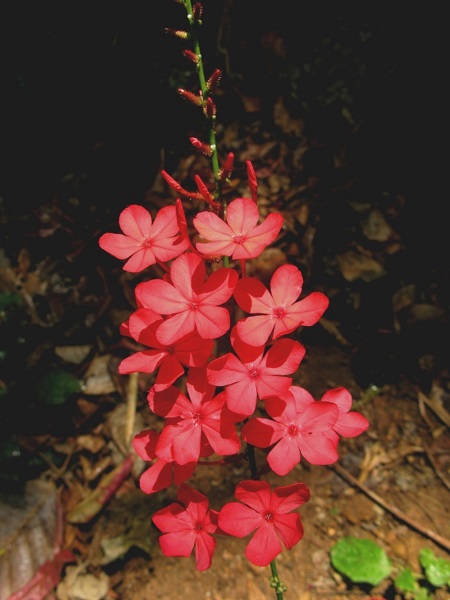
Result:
{"points": [[191, 56], [226, 170], [183, 35], [197, 11], [193, 98], [213, 82], [210, 108], [206, 149]]}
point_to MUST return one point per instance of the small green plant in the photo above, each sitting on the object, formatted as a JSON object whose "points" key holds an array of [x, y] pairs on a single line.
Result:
{"points": [[364, 561]]}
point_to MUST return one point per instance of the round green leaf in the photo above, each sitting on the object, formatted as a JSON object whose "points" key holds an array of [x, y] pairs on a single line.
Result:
{"points": [[361, 560], [437, 570], [406, 581]]}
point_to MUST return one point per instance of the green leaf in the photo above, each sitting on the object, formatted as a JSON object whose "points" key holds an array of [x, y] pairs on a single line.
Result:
{"points": [[361, 560], [56, 386], [437, 570], [406, 581]]}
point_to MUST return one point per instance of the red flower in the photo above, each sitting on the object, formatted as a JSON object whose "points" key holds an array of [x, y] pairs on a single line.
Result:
{"points": [[144, 241], [300, 426], [270, 513], [190, 351], [163, 471], [191, 302], [349, 424], [184, 528], [280, 313], [195, 427], [252, 374], [240, 236]]}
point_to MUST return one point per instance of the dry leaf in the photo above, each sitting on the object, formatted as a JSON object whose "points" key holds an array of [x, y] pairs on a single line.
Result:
{"points": [[98, 380], [31, 558], [73, 354], [357, 266]]}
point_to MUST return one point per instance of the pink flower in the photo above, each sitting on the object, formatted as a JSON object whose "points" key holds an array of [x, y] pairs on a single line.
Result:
{"points": [[192, 303], [252, 374], [280, 313], [240, 236], [190, 351], [349, 424], [299, 426], [269, 513], [144, 241], [194, 427], [163, 471], [188, 527]]}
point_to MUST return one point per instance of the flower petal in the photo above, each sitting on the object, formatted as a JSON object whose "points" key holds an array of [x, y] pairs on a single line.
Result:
{"points": [[264, 545], [286, 285], [238, 520]]}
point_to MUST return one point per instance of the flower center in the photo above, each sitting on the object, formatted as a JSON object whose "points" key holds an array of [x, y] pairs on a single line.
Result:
{"points": [[238, 239], [278, 312], [197, 418], [293, 430], [194, 305], [268, 516], [198, 526]]}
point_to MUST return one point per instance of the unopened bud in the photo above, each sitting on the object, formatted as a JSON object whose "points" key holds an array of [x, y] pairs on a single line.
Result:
{"points": [[252, 181], [210, 108], [193, 98], [226, 170], [206, 149], [191, 56], [197, 11], [213, 82], [183, 35]]}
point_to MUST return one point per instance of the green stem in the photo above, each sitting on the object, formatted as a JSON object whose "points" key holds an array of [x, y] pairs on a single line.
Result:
{"points": [[204, 89], [275, 581]]}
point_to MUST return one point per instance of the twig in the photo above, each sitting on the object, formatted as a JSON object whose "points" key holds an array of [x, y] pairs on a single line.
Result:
{"points": [[438, 539], [435, 406], [438, 472], [132, 393]]}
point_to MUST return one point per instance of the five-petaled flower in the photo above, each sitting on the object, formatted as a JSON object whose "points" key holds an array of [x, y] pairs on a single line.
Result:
{"points": [[299, 426], [190, 351], [269, 513], [188, 526], [252, 374], [145, 241], [279, 312], [164, 470], [349, 424], [240, 236], [197, 426], [192, 303]]}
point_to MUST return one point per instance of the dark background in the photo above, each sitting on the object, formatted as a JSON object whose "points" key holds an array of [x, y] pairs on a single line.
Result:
{"points": [[92, 89]]}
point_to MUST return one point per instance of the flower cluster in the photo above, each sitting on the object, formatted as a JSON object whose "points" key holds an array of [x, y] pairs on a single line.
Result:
{"points": [[179, 321], [223, 349]]}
